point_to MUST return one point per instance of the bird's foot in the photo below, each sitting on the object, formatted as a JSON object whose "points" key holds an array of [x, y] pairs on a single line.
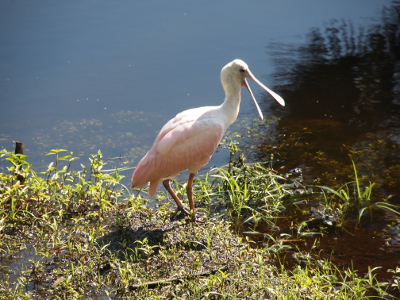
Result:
{"points": [[183, 210]]}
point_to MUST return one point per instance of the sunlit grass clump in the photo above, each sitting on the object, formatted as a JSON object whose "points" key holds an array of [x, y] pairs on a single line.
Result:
{"points": [[59, 190], [355, 198], [76, 232]]}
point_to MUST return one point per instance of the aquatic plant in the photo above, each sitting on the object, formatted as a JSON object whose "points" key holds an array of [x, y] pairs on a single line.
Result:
{"points": [[355, 196]]}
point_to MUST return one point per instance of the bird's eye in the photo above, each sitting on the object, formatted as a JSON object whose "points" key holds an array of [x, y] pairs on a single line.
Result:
{"points": [[242, 70]]}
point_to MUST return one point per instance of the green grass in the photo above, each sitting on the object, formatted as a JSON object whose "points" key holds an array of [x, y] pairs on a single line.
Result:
{"points": [[356, 198], [81, 234]]}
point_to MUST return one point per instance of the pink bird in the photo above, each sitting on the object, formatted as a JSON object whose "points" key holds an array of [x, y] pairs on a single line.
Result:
{"points": [[188, 141]]}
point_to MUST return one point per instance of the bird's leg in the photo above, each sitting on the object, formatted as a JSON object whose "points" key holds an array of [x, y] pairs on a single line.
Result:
{"points": [[179, 204], [189, 191]]}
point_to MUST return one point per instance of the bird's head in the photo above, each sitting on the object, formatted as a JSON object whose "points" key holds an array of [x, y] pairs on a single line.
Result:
{"points": [[235, 74]]}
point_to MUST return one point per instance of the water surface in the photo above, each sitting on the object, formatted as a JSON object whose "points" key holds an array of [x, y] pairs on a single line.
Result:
{"points": [[89, 75]]}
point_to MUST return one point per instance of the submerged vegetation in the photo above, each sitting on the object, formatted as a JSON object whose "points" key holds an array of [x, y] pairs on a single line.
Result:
{"points": [[68, 234]]}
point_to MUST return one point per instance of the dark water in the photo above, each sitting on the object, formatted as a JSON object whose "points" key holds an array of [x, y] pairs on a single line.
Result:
{"points": [[343, 100]]}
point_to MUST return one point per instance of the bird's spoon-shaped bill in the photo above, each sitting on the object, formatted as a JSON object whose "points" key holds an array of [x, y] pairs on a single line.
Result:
{"points": [[278, 98]]}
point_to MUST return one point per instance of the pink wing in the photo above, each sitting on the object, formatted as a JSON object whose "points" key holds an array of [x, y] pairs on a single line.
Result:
{"points": [[185, 142]]}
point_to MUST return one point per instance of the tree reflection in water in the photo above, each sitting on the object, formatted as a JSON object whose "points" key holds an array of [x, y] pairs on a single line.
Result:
{"points": [[342, 90]]}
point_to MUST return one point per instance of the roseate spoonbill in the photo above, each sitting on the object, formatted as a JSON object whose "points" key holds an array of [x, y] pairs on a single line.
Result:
{"points": [[188, 141]]}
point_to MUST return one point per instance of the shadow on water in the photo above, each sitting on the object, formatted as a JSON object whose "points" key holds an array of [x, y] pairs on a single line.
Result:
{"points": [[342, 89]]}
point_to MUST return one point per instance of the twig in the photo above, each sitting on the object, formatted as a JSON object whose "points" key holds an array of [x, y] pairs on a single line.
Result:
{"points": [[154, 284]]}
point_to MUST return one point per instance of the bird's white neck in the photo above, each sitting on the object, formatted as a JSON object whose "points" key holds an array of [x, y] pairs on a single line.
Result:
{"points": [[230, 107]]}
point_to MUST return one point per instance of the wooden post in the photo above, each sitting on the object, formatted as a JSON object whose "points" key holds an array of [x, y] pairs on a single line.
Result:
{"points": [[19, 149]]}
